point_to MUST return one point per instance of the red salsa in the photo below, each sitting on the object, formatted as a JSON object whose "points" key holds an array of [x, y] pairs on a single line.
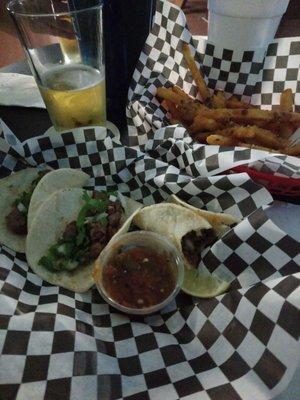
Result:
{"points": [[139, 277]]}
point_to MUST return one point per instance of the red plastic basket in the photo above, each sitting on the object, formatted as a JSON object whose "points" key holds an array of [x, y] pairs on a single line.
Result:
{"points": [[277, 185]]}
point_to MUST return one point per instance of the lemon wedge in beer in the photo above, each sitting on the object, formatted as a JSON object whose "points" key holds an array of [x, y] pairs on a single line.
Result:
{"points": [[203, 285]]}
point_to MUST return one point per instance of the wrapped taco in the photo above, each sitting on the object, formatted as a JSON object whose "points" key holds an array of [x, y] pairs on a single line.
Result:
{"points": [[69, 231], [55, 180], [190, 232], [220, 222], [16, 194]]}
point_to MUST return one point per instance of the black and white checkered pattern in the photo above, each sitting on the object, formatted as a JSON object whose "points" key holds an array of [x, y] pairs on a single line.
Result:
{"points": [[243, 73], [280, 71], [57, 344], [232, 71], [145, 177], [279, 166]]}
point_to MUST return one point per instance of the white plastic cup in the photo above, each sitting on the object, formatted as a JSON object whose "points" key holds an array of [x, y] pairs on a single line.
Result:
{"points": [[244, 24]]}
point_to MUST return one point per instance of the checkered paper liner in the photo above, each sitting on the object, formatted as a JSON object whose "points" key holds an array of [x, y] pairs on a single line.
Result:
{"points": [[244, 73], [56, 344]]}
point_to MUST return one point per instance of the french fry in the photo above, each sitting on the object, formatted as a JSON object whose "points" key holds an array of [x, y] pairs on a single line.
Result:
{"points": [[188, 112], [200, 137], [202, 124], [286, 101], [267, 138], [180, 92], [187, 107], [168, 94], [218, 100], [174, 114], [274, 126], [292, 150], [231, 122], [237, 132], [252, 114], [198, 78], [221, 140], [234, 102], [281, 129], [285, 131]]}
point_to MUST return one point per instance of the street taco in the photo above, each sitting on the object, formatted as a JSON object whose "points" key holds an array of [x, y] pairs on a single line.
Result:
{"points": [[22, 193], [15, 194], [55, 180], [70, 230], [220, 222], [190, 232]]}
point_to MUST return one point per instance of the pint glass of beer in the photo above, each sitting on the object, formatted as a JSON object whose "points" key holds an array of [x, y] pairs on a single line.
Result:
{"points": [[65, 50]]}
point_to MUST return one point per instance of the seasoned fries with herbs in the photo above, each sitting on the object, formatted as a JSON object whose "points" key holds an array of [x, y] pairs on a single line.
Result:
{"points": [[198, 78], [220, 121]]}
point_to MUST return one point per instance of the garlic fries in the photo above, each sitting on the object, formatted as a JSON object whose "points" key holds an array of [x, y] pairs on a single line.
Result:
{"points": [[230, 122]]}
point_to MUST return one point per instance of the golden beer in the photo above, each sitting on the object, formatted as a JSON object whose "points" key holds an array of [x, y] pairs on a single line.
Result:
{"points": [[74, 96]]}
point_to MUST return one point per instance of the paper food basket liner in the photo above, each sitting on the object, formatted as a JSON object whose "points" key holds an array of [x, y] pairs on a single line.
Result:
{"points": [[241, 345], [251, 75]]}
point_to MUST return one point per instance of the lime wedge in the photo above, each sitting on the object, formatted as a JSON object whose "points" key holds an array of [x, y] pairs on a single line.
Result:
{"points": [[200, 285]]}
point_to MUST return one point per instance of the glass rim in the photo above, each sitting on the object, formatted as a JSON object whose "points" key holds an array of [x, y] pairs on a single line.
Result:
{"points": [[11, 3]]}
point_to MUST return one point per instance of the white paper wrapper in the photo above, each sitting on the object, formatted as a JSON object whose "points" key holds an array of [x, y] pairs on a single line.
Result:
{"points": [[236, 345], [19, 90]]}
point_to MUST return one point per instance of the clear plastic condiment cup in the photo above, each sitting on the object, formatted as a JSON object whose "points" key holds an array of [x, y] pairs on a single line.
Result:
{"points": [[139, 239]]}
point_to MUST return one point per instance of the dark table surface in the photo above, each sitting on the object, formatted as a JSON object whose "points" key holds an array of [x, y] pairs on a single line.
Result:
{"points": [[24, 122]]}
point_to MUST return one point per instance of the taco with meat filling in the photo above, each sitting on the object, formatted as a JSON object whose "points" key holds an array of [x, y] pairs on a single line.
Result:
{"points": [[189, 232], [22, 193], [54, 180], [220, 222], [69, 231], [15, 194]]}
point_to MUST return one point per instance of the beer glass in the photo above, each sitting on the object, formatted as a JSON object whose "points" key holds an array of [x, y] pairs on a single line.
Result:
{"points": [[65, 50]]}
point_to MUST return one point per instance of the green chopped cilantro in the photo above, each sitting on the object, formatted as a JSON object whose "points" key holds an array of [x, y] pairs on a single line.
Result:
{"points": [[67, 254], [25, 197], [46, 262]]}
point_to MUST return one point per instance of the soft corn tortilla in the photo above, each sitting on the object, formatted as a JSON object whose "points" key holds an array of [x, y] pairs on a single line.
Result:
{"points": [[170, 220], [11, 188], [50, 183], [220, 222], [59, 209]]}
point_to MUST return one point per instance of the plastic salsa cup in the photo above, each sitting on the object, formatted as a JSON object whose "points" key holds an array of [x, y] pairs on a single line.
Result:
{"points": [[139, 272]]}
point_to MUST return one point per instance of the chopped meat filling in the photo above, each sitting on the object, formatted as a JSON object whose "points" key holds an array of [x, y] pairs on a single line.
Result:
{"points": [[70, 231], [83, 240], [99, 234], [194, 242], [16, 222]]}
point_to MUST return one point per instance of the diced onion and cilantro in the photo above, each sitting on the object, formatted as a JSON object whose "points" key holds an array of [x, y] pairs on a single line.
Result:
{"points": [[69, 251], [16, 219], [22, 202]]}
